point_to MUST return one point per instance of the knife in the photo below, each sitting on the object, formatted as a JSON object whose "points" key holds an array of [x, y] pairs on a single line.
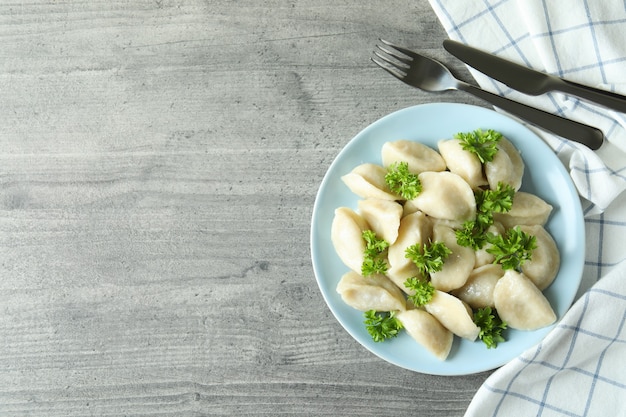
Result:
{"points": [[529, 81]]}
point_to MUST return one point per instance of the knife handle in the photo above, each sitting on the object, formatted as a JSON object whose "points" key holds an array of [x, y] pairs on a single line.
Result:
{"points": [[569, 129], [605, 98]]}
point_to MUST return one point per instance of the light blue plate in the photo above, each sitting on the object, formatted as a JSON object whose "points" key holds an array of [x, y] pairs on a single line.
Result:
{"points": [[544, 176]]}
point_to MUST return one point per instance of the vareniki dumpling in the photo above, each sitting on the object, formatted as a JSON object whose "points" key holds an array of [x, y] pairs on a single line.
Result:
{"points": [[446, 196], [383, 216], [414, 229], [526, 209], [520, 303], [346, 234], [457, 266], [418, 156], [427, 331], [478, 290], [463, 163], [506, 167], [545, 260], [368, 181], [374, 292], [454, 314]]}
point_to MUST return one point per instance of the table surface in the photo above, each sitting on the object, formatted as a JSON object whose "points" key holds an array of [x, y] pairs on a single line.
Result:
{"points": [[159, 161]]}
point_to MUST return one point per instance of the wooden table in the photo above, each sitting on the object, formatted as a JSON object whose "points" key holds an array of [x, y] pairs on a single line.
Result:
{"points": [[159, 161]]}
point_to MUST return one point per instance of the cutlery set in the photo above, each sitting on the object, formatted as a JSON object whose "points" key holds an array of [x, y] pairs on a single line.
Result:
{"points": [[430, 75]]}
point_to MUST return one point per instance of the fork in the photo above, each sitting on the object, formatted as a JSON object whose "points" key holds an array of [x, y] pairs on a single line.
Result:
{"points": [[430, 75]]}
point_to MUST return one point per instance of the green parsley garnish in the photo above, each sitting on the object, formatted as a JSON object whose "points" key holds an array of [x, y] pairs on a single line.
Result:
{"points": [[382, 325], [429, 257], [513, 248], [491, 326], [373, 263], [402, 182], [373, 266], [472, 235], [500, 200], [483, 144], [423, 290]]}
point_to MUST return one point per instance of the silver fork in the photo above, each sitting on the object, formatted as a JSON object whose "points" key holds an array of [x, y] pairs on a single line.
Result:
{"points": [[430, 75]]}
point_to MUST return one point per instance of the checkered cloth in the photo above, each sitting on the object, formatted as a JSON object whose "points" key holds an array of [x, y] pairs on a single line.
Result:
{"points": [[580, 367]]}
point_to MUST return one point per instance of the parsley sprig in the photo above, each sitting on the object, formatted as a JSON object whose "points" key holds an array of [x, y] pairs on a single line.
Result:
{"points": [[491, 326], [499, 200], [483, 144], [513, 248], [423, 290], [373, 260], [382, 325], [428, 257], [474, 232], [403, 182]]}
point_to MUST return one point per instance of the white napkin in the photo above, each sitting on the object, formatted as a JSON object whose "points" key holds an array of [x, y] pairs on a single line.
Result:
{"points": [[579, 369]]}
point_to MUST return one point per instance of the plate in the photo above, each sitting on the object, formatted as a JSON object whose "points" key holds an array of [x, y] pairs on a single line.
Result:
{"points": [[544, 176]]}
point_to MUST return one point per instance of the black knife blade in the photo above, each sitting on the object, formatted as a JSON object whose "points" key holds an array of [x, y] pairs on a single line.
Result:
{"points": [[527, 80]]}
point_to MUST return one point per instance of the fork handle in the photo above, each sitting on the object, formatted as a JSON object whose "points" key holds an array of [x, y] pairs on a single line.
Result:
{"points": [[569, 129]]}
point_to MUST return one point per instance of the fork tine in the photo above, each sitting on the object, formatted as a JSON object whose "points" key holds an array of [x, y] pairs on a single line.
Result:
{"points": [[404, 51], [394, 54], [392, 61], [389, 67]]}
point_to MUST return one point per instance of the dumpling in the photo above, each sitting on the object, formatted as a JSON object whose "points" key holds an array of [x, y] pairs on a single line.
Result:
{"points": [[368, 181], [420, 157], [545, 259], [415, 228], [507, 166], [346, 234], [526, 209], [374, 292], [520, 303], [399, 274], [457, 266], [454, 314], [463, 163], [478, 290], [446, 196], [427, 331], [383, 216]]}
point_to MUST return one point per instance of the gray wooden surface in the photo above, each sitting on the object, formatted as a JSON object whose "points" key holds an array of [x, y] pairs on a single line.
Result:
{"points": [[159, 161]]}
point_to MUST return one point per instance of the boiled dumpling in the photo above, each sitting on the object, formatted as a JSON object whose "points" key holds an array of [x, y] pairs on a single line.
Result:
{"points": [[520, 303], [368, 181], [446, 196], [383, 216], [399, 274], [545, 259], [418, 156], [461, 162], [415, 228], [478, 290], [526, 209], [374, 292], [454, 314], [427, 331], [457, 266], [507, 166], [346, 234]]}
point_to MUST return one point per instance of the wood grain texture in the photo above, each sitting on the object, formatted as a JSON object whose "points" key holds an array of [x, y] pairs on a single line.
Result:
{"points": [[159, 161]]}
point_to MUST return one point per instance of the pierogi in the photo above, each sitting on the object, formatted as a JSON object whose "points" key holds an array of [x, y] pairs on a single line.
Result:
{"points": [[469, 278]]}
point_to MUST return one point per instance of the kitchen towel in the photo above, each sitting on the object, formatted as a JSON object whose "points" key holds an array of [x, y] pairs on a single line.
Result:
{"points": [[578, 370]]}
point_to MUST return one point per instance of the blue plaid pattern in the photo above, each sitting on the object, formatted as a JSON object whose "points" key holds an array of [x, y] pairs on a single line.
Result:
{"points": [[580, 368]]}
